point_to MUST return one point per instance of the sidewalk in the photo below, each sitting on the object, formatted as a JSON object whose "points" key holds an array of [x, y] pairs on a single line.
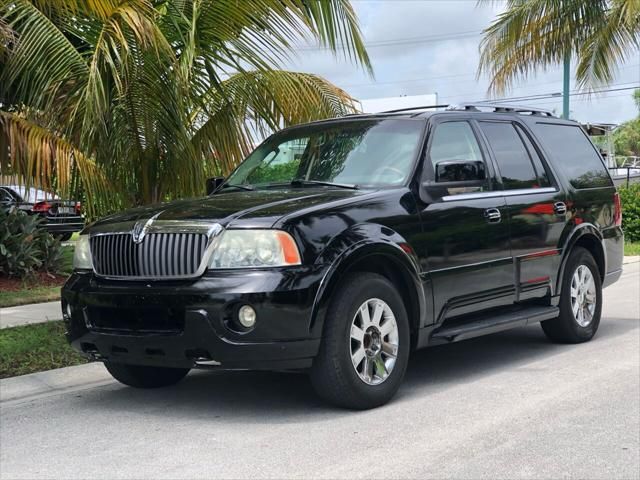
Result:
{"points": [[631, 259], [27, 314]]}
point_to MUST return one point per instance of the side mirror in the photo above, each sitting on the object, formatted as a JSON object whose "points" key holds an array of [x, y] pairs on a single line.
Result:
{"points": [[460, 171], [454, 174], [213, 184]]}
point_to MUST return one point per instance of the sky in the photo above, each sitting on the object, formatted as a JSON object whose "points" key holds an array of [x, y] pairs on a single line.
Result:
{"points": [[432, 46]]}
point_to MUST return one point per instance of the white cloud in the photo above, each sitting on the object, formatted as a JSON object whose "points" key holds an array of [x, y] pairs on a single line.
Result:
{"points": [[449, 67]]}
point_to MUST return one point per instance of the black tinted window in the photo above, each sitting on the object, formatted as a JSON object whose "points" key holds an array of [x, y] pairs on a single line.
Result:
{"points": [[513, 159], [541, 171], [574, 154]]}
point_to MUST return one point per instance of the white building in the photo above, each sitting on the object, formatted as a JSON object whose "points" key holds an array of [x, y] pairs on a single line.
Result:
{"points": [[374, 105]]}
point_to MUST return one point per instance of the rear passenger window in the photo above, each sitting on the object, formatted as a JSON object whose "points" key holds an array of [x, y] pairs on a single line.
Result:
{"points": [[511, 155], [574, 154]]}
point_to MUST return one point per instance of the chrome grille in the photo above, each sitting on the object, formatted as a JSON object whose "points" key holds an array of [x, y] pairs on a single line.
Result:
{"points": [[159, 255]]}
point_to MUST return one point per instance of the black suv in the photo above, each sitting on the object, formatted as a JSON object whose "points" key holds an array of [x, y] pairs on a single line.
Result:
{"points": [[340, 246]]}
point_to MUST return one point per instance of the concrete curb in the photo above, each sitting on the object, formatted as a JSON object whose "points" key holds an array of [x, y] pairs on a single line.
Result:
{"points": [[16, 390], [31, 313]]}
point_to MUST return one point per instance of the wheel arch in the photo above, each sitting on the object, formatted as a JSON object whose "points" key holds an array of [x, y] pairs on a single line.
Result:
{"points": [[385, 258], [590, 238]]}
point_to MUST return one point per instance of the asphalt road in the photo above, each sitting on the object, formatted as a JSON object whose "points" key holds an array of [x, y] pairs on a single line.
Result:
{"points": [[511, 405]]}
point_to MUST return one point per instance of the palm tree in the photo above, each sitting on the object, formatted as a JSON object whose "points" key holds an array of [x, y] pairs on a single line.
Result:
{"points": [[533, 34], [141, 100]]}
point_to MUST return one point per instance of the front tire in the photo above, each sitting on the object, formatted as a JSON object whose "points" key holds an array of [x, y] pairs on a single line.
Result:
{"points": [[139, 376], [580, 301], [365, 347]]}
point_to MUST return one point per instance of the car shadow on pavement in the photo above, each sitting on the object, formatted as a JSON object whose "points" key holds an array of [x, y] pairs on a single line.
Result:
{"points": [[433, 369], [280, 397]]}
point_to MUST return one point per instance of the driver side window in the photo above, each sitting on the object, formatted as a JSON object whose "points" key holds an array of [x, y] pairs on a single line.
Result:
{"points": [[455, 142]]}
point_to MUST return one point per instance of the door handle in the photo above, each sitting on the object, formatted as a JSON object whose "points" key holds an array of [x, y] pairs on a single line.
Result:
{"points": [[492, 215], [560, 208]]}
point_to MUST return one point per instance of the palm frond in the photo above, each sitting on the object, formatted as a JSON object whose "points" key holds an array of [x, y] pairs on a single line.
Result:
{"points": [[613, 44], [141, 92], [532, 35], [336, 24], [99, 9], [42, 60], [32, 152], [253, 104], [6, 38]]}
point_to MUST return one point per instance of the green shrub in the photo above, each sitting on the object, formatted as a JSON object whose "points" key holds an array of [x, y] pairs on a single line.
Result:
{"points": [[630, 199], [25, 247]]}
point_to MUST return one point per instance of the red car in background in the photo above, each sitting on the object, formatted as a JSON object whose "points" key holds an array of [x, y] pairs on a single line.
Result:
{"points": [[61, 217]]}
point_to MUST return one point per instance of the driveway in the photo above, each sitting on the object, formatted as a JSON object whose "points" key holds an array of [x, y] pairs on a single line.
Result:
{"points": [[510, 405]]}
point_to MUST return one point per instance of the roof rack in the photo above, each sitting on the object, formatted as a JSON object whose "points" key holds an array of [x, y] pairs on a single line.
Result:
{"points": [[500, 108]]}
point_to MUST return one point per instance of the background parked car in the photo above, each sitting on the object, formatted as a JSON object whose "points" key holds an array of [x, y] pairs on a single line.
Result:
{"points": [[61, 217]]}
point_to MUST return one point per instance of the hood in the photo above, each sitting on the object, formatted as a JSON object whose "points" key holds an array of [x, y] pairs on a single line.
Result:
{"points": [[258, 208]]}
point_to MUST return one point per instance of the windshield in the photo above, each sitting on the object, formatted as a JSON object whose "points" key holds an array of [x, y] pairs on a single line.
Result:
{"points": [[364, 152], [32, 194]]}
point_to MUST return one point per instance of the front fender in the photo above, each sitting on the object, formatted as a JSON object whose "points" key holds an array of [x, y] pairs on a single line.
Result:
{"points": [[358, 243]]}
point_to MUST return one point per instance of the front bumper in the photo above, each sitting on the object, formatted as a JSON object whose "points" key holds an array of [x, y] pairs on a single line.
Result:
{"points": [[190, 324]]}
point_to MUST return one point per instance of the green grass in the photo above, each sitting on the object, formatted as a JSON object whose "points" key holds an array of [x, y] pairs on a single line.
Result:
{"points": [[34, 293], [632, 248], [35, 348], [29, 295]]}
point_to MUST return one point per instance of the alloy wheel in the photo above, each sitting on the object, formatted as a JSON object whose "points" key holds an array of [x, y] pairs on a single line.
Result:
{"points": [[374, 341], [583, 295]]}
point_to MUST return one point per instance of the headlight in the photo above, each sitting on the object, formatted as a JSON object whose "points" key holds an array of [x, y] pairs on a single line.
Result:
{"points": [[255, 248], [82, 254]]}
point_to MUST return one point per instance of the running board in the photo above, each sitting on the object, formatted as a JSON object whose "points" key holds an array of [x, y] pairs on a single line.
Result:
{"points": [[497, 323]]}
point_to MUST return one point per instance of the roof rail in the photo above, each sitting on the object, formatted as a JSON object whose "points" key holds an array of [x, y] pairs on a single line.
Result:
{"points": [[411, 109], [500, 108]]}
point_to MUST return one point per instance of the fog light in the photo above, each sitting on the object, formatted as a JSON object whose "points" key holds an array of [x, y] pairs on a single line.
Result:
{"points": [[246, 316]]}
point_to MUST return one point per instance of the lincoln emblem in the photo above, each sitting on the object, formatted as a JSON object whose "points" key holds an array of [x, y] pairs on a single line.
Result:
{"points": [[141, 227]]}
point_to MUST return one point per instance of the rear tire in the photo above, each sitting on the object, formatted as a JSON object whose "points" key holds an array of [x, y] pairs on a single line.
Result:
{"points": [[580, 301], [365, 347], [63, 237], [140, 376]]}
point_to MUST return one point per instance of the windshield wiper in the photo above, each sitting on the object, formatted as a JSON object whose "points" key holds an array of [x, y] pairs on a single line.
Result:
{"points": [[242, 187], [299, 182]]}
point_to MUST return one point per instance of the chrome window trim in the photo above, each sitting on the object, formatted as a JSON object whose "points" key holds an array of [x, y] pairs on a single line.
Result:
{"points": [[211, 230], [499, 193]]}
